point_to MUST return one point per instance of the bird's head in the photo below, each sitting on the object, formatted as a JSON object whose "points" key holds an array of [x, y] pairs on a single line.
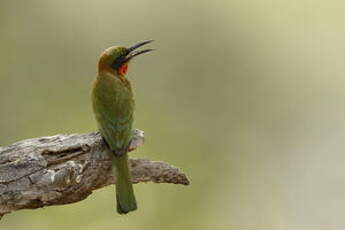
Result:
{"points": [[115, 59]]}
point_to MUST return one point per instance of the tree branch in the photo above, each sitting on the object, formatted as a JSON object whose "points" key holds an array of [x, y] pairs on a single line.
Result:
{"points": [[64, 169]]}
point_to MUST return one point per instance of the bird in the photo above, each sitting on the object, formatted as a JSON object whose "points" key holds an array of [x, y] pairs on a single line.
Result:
{"points": [[113, 106]]}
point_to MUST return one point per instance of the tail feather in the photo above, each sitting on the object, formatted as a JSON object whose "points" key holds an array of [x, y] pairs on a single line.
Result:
{"points": [[124, 189]]}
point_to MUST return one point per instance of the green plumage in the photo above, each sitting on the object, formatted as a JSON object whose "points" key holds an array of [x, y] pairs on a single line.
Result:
{"points": [[113, 105]]}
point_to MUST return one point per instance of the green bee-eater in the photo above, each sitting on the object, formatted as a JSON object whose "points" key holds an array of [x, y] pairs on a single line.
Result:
{"points": [[113, 105]]}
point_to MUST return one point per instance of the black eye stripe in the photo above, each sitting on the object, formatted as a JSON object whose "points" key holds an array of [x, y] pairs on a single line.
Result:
{"points": [[118, 61]]}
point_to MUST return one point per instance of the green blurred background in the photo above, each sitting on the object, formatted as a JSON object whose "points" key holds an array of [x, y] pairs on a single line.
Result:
{"points": [[247, 97]]}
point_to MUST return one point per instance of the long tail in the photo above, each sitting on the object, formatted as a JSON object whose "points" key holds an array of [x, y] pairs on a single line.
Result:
{"points": [[124, 189]]}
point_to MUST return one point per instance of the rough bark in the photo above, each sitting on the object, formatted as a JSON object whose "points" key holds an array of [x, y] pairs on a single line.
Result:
{"points": [[64, 169]]}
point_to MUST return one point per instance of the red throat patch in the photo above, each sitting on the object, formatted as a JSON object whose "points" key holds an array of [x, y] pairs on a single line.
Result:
{"points": [[123, 69]]}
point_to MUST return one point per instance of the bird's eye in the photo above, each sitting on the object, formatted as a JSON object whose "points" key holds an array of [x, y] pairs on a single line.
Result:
{"points": [[118, 62]]}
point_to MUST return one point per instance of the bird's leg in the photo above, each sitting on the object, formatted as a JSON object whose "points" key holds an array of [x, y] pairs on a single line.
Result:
{"points": [[137, 139]]}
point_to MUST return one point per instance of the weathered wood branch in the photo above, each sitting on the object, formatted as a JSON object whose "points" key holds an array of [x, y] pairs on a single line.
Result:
{"points": [[65, 169]]}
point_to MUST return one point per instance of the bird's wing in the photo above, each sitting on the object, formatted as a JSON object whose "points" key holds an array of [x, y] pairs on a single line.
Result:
{"points": [[116, 129]]}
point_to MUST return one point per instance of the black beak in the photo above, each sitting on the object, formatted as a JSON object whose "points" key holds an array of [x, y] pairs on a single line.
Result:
{"points": [[123, 59], [132, 54]]}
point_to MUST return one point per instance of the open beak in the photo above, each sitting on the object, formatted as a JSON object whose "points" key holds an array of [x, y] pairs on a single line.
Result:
{"points": [[132, 54]]}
